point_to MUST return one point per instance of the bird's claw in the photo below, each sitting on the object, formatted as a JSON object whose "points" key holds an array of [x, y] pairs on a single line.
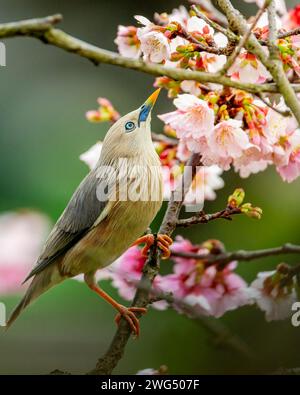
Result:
{"points": [[129, 314], [163, 243]]}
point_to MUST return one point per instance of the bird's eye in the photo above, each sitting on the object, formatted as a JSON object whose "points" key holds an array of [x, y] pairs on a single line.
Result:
{"points": [[129, 126]]}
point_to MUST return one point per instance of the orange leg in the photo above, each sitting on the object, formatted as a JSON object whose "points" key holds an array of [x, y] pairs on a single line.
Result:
{"points": [[123, 311], [163, 243]]}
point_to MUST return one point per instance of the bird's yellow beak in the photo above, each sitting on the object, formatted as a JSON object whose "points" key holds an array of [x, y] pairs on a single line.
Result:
{"points": [[148, 105]]}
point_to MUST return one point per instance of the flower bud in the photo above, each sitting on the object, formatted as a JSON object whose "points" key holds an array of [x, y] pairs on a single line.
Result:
{"points": [[250, 211], [237, 198]]}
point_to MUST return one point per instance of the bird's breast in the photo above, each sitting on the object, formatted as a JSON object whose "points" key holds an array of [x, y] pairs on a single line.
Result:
{"points": [[124, 220]]}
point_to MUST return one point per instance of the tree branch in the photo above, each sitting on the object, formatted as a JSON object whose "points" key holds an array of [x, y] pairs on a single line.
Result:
{"points": [[241, 255], [42, 29]]}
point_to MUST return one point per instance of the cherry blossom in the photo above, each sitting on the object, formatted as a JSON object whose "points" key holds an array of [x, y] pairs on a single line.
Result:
{"points": [[290, 171], [92, 155], [199, 26], [291, 20], [208, 290], [227, 141], [270, 297], [105, 112], [128, 42], [22, 234], [192, 120], [248, 69], [279, 4], [154, 44]]}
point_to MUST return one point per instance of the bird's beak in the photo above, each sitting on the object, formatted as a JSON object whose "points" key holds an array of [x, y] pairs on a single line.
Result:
{"points": [[147, 106]]}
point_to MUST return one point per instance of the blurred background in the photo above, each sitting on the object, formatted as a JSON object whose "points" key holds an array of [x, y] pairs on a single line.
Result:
{"points": [[43, 130]]}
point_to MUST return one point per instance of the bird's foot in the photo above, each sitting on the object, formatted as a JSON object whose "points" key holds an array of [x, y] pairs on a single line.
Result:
{"points": [[129, 314], [163, 243]]}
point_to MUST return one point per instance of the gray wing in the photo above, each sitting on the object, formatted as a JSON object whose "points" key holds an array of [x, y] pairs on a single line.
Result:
{"points": [[77, 219]]}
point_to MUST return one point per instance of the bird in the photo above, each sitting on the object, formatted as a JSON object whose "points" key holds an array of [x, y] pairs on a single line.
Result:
{"points": [[101, 222]]}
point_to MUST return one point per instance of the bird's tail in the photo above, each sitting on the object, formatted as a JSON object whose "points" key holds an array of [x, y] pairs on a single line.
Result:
{"points": [[46, 279]]}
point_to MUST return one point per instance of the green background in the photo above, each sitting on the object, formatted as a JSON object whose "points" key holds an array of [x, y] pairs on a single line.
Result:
{"points": [[44, 95]]}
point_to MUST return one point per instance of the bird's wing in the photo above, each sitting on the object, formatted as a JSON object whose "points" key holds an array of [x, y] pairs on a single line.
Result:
{"points": [[81, 213]]}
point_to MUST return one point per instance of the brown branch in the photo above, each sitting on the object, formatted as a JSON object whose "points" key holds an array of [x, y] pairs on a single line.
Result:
{"points": [[203, 218], [241, 255], [293, 32], [163, 138], [203, 47], [40, 29]]}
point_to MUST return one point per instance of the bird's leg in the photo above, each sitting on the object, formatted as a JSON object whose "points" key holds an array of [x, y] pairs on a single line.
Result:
{"points": [[163, 243], [123, 311]]}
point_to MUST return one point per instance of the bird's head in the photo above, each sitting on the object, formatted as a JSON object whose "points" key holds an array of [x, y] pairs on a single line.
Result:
{"points": [[130, 136]]}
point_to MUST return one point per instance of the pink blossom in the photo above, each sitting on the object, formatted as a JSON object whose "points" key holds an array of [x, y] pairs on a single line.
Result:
{"points": [[248, 69], [212, 63], [274, 300], [22, 235], [154, 44], [192, 119], [203, 187], [291, 20], [205, 183], [190, 86], [179, 15], [92, 155], [227, 142], [127, 41], [279, 4], [290, 171], [244, 166], [197, 25], [106, 112], [207, 290]]}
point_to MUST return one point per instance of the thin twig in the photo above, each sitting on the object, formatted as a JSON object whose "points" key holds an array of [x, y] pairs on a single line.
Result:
{"points": [[164, 139], [228, 33], [289, 33], [285, 113], [203, 218]]}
